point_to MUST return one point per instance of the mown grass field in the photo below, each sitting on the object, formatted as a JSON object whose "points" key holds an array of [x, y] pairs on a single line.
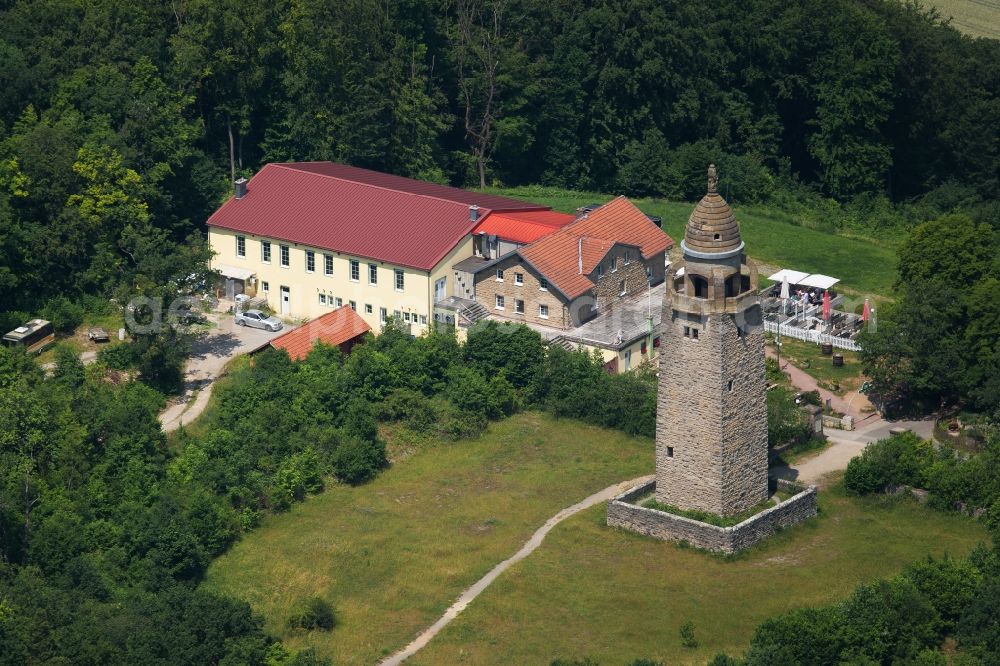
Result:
{"points": [[979, 18], [590, 591], [864, 267], [392, 555]]}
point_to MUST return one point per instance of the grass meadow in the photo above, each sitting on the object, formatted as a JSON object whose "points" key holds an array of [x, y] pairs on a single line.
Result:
{"points": [[612, 596], [864, 267], [978, 18], [393, 554]]}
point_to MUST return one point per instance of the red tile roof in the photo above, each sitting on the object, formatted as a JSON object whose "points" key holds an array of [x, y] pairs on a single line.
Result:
{"points": [[558, 255], [523, 226], [333, 328], [358, 212]]}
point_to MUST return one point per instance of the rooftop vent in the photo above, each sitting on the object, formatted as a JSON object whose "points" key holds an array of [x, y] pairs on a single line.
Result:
{"points": [[240, 186], [473, 213]]}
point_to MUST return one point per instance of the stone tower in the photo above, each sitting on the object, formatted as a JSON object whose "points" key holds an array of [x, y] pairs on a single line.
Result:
{"points": [[711, 420]]}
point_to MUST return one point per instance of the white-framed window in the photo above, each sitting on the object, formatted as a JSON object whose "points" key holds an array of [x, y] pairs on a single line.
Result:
{"points": [[519, 279], [241, 246], [627, 258], [399, 279], [518, 306], [265, 286], [328, 264], [340, 302], [543, 311], [397, 315], [265, 252], [499, 302], [543, 284], [310, 261], [614, 264], [372, 273], [499, 275], [621, 288], [322, 299], [382, 315], [600, 270], [285, 256], [368, 308], [354, 305], [406, 317], [423, 320], [355, 270]]}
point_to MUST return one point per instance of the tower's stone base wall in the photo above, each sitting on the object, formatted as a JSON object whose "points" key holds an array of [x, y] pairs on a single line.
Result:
{"points": [[623, 512]]}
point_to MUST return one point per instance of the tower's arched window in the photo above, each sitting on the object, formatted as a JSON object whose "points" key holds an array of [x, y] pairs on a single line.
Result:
{"points": [[733, 286], [700, 285]]}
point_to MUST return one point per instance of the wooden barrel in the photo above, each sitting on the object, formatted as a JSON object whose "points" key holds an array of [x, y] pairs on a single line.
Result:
{"points": [[826, 349], [838, 360]]}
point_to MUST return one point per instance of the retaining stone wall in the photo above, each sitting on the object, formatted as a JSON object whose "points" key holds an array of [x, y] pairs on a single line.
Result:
{"points": [[624, 513]]}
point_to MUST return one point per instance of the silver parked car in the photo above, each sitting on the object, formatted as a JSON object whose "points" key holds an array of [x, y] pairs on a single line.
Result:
{"points": [[258, 319]]}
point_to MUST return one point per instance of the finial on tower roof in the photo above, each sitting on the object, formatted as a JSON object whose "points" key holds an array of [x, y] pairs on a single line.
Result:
{"points": [[713, 178]]}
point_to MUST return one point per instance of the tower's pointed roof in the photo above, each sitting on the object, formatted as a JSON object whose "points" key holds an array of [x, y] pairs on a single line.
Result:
{"points": [[712, 227]]}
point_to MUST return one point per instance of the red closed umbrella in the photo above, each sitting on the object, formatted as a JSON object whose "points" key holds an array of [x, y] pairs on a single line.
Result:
{"points": [[826, 305], [866, 312]]}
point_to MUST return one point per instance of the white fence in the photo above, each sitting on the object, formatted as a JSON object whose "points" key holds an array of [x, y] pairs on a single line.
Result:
{"points": [[811, 336]]}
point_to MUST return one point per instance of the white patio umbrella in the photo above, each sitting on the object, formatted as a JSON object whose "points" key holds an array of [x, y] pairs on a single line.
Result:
{"points": [[785, 292]]}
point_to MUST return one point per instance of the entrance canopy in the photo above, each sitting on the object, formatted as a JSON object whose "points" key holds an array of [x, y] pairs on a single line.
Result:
{"points": [[234, 272]]}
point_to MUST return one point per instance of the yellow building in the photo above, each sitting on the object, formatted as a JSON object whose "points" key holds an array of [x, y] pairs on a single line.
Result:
{"points": [[310, 237]]}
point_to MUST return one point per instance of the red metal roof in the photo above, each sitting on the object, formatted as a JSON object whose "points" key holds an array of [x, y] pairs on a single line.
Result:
{"points": [[333, 328], [523, 226], [358, 212], [589, 238]]}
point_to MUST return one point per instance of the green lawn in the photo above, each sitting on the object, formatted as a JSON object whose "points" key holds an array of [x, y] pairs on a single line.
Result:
{"points": [[392, 555], [864, 267], [590, 591]]}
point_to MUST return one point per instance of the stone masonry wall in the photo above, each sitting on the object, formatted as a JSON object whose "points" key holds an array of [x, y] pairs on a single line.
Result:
{"points": [[717, 434], [625, 514], [608, 287], [530, 292]]}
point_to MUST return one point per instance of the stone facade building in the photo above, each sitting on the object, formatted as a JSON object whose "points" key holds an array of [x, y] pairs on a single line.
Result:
{"points": [[711, 430], [578, 272]]}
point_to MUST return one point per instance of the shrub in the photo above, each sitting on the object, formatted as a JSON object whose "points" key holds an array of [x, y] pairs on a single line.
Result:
{"points": [[358, 460], [117, 357], [64, 314], [471, 392], [411, 408], [786, 423], [894, 461], [312, 613], [688, 639]]}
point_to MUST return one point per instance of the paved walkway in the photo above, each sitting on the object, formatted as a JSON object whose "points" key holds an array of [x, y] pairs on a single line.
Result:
{"points": [[534, 542], [210, 353], [851, 403]]}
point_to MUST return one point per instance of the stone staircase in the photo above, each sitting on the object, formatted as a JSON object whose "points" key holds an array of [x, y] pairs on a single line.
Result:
{"points": [[560, 341]]}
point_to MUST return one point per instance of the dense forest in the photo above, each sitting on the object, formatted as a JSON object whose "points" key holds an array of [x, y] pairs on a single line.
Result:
{"points": [[121, 124]]}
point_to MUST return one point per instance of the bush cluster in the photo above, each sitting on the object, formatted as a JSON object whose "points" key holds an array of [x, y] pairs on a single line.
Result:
{"points": [[953, 479]]}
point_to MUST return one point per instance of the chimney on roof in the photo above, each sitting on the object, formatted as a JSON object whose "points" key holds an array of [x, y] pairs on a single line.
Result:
{"points": [[240, 187], [473, 213], [579, 254]]}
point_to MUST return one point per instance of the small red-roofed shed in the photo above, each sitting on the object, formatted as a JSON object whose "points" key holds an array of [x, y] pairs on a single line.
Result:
{"points": [[342, 328]]}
